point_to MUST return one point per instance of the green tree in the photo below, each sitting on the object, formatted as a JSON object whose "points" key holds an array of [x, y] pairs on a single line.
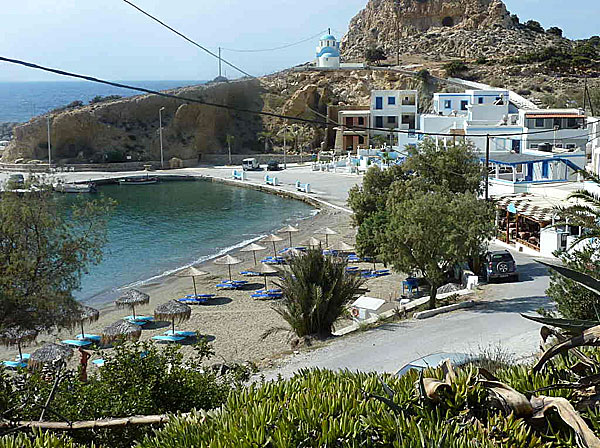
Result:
{"points": [[431, 231], [45, 250], [379, 140], [534, 26], [316, 291], [573, 301], [374, 54], [455, 167], [455, 68], [554, 30]]}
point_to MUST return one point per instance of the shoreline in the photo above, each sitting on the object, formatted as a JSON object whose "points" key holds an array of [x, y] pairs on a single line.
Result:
{"points": [[233, 321]]}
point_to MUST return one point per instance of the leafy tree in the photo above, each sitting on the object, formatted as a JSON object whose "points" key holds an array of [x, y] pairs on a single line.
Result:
{"points": [[316, 290], [455, 68], [374, 54], [455, 168], [431, 231], [573, 301], [534, 26], [378, 140], [554, 30], [424, 76], [45, 251]]}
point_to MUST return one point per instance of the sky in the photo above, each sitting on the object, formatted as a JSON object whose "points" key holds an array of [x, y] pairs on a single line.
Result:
{"points": [[111, 40]]}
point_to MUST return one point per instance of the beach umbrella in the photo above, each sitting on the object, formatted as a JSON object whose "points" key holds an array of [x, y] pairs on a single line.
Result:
{"points": [[289, 230], [121, 329], [85, 314], [131, 298], [192, 272], [173, 311], [253, 248], [273, 239], [340, 246], [312, 242], [48, 354], [265, 270], [293, 252], [326, 231], [229, 261], [19, 336]]}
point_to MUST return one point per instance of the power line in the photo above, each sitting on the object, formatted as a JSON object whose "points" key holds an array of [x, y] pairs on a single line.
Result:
{"points": [[275, 48], [239, 109], [187, 38]]}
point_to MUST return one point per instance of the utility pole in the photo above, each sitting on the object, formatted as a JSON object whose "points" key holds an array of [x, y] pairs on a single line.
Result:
{"points": [[397, 37], [284, 145], [487, 167], [49, 147], [219, 62], [162, 160]]}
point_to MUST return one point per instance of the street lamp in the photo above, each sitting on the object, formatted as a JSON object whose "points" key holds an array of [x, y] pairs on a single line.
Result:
{"points": [[162, 160], [49, 147]]}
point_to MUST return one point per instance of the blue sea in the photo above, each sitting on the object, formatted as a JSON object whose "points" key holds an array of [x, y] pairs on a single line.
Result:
{"points": [[19, 101], [159, 228]]}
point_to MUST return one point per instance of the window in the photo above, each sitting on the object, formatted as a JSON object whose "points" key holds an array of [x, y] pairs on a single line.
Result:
{"points": [[571, 146], [391, 119], [378, 122], [349, 121], [447, 104], [464, 104], [361, 120], [480, 100], [534, 146], [361, 139], [571, 123], [539, 123], [379, 102], [391, 100]]}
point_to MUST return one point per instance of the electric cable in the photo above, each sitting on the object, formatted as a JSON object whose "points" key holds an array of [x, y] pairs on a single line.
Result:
{"points": [[274, 48]]}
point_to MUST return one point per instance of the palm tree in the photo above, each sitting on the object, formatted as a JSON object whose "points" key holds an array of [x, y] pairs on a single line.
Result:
{"points": [[316, 290], [585, 214]]}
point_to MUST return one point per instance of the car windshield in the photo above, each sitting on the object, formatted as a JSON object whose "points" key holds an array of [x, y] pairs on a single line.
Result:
{"points": [[502, 257]]}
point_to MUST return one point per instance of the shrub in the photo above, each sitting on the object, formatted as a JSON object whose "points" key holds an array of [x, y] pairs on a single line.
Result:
{"points": [[554, 30], [534, 26], [373, 54], [316, 290], [101, 99], [423, 75], [455, 68], [114, 156]]}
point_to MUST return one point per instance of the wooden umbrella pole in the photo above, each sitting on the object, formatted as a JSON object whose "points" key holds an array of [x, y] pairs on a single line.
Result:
{"points": [[195, 291], [254, 253], [290, 234], [20, 351], [173, 327], [265, 282], [133, 311], [82, 332], [274, 250], [230, 278]]}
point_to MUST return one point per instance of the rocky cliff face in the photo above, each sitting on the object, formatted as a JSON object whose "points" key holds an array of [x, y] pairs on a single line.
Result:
{"points": [[462, 28]]}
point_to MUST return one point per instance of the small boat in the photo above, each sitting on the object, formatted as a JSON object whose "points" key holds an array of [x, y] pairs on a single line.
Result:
{"points": [[138, 180], [89, 187]]}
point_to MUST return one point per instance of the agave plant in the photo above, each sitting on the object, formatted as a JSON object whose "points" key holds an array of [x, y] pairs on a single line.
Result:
{"points": [[316, 291]]}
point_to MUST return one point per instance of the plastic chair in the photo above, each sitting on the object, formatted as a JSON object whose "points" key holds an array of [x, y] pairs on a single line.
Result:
{"points": [[183, 334], [88, 337], [76, 343], [168, 338]]}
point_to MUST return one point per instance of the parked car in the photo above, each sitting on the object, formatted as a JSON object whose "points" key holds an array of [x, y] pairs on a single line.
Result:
{"points": [[434, 360], [273, 166], [15, 181], [250, 164], [500, 264]]}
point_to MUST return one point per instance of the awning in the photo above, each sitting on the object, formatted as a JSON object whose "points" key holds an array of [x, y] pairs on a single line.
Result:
{"points": [[554, 116], [538, 208]]}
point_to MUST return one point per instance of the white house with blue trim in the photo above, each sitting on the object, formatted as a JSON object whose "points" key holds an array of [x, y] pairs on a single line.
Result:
{"points": [[328, 52], [393, 110]]}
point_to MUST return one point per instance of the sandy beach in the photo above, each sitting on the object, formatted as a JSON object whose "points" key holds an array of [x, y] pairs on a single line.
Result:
{"points": [[233, 321]]}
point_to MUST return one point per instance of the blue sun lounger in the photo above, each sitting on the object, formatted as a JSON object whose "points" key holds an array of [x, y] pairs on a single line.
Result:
{"points": [[168, 338], [183, 334], [139, 320], [76, 343], [14, 365], [98, 362], [88, 337], [228, 286], [24, 358], [250, 273]]}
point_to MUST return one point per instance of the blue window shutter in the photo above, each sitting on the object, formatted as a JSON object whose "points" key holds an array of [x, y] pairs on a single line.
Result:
{"points": [[379, 102], [378, 122]]}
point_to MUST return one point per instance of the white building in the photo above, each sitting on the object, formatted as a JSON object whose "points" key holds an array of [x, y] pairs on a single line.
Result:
{"points": [[328, 52], [554, 130], [393, 110], [593, 146]]}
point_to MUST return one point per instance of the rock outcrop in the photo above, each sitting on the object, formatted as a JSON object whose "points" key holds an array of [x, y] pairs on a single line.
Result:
{"points": [[461, 28]]}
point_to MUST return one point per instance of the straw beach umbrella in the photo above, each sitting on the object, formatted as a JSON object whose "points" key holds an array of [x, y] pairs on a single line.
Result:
{"points": [[121, 329], [192, 272], [85, 314], [253, 248], [289, 230], [173, 311], [48, 354], [265, 270], [340, 246], [326, 231], [17, 336], [131, 298], [229, 261], [312, 242], [273, 239]]}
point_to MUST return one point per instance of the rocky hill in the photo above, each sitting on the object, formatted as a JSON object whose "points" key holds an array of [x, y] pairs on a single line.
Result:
{"points": [[446, 28]]}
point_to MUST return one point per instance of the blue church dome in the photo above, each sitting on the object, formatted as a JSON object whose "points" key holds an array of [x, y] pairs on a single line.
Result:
{"points": [[328, 37]]}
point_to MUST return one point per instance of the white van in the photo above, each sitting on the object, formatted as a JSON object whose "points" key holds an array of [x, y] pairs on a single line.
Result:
{"points": [[250, 164]]}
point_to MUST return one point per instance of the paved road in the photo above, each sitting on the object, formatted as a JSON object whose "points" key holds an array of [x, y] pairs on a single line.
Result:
{"points": [[494, 321]]}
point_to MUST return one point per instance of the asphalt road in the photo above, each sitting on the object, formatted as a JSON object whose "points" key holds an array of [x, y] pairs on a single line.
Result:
{"points": [[495, 322]]}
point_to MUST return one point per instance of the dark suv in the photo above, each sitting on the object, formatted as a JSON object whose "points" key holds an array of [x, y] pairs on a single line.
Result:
{"points": [[500, 264], [273, 166]]}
